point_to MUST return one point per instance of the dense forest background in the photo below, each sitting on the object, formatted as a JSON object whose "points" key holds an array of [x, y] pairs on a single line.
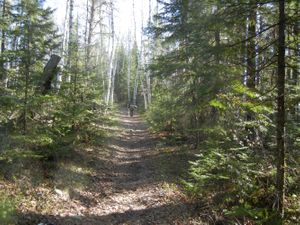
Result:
{"points": [[218, 76]]}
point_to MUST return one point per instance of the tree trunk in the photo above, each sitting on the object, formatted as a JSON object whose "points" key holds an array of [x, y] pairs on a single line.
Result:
{"points": [[112, 55], [86, 34], [27, 73], [147, 75], [63, 47], [137, 75], [70, 41], [49, 73], [145, 88], [281, 110], [100, 51], [90, 34], [137, 79], [113, 81], [251, 69], [296, 69], [129, 72], [3, 42]]}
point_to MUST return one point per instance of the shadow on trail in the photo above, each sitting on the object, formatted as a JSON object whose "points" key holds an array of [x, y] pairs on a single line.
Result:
{"points": [[166, 214], [144, 162], [124, 187]]}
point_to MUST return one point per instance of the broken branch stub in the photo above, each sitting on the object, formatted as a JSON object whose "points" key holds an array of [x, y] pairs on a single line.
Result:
{"points": [[49, 73]]}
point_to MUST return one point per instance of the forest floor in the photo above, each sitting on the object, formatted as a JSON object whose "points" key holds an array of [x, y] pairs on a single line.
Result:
{"points": [[131, 179]]}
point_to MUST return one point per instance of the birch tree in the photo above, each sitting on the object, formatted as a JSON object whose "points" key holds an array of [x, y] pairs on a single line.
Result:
{"points": [[144, 81], [137, 75], [129, 56], [91, 21], [111, 54], [100, 51], [64, 46], [113, 78], [70, 39]]}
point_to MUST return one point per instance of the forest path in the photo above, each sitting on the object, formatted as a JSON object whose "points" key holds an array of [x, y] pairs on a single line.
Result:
{"points": [[138, 192], [131, 179]]}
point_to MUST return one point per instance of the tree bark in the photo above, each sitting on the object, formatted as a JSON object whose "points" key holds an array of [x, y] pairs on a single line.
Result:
{"points": [[251, 69], [116, 64], [137, 75], [137, 79], [281, 110], [129, 71], [27, 66], [90, 34], [49, 73], [63, 47], [70, 41], [296, 69], [251, 50], [3, 42], [112, 55], [147, 75]]}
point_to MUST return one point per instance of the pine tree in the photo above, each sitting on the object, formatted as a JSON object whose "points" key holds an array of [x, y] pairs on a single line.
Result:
{"points": [[281, 157], [216, 81]]}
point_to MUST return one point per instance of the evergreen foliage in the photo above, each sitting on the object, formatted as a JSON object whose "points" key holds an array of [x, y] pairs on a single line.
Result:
{"points": [[36, 125], [215, 83], [224, 81]]}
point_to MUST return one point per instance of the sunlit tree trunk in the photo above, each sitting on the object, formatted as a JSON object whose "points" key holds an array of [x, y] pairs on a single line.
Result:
{"points": [[112, 55], [63, 47], [147, 73], [143, 63], [129, 71], [90, 34], [86, 33], [70, 41], [100, 52], [113, 78], [144, 80], [76, 63], [136, 80], [137, 75]]}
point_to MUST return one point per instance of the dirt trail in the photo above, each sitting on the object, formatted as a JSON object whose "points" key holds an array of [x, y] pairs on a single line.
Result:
{"points": [[137, 194], [132, 185]]}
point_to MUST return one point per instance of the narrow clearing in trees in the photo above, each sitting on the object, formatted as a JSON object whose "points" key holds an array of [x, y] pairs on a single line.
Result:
{"points": [[132, 184], [138, 193]]}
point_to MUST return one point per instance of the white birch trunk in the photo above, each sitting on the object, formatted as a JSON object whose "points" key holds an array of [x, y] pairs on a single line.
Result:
{"points": [[137, 75], [144, 90], [113, 80], [89, 37], [63, 48], [111, 58], [70, 42], [129, 71], [136, 81], [86, 31], [100, 52]]}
